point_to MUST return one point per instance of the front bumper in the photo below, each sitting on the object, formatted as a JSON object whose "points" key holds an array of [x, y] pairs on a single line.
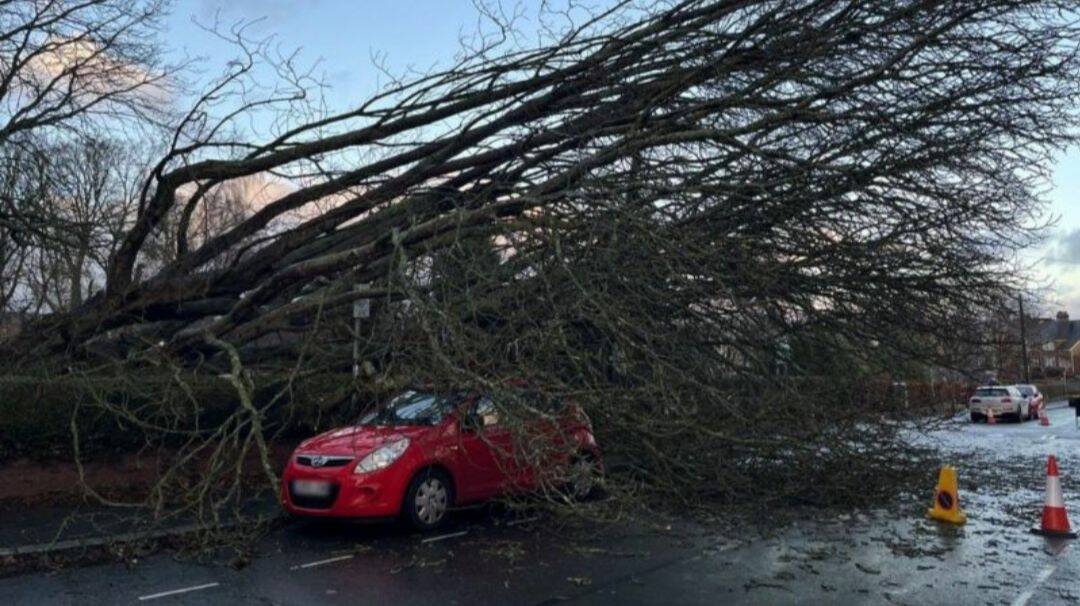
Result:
{"points": [[370, 495]]}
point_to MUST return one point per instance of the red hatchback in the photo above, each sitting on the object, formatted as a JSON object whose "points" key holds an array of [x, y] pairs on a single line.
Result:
{"points": [[1035, 399], [423, 454]]}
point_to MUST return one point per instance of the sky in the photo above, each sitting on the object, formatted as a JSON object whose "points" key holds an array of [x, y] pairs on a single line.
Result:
{"points": [[1060, 255], [343, 36]]}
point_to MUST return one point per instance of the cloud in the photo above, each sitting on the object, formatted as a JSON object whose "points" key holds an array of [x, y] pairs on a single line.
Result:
{"points": [[86, 71], [1065, 248], [1068, 298], [1057, 267]]}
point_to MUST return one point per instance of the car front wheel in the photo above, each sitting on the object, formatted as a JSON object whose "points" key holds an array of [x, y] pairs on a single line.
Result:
{"points": [[428, 500]]}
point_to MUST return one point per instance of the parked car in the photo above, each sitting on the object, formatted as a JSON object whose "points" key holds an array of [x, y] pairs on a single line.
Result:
{"points": [[424, 453], [1003, 400], [1034, 397]]}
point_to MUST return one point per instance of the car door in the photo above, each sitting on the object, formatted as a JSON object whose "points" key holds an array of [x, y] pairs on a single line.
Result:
{"points": [[485, 454], [1024, 399], [1025, 404]]}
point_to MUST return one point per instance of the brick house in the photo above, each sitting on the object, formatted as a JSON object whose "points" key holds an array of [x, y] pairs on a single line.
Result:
{"points": [[1054, 345]]}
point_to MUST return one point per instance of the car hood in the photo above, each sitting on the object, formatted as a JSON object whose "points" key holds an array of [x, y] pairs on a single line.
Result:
{"points": [[358, 440]]}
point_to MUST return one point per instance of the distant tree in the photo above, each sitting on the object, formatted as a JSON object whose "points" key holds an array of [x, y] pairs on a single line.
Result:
{"points": [[71, 68], [21, 179], [89, 200]]}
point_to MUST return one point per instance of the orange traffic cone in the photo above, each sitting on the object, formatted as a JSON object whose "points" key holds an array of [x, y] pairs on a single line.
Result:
{"points": [[1044, 419], [990, 417], [1055, 522]]}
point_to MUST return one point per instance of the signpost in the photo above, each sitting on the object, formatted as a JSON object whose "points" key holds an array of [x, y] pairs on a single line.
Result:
{"points": [[1023, 340], [361, 310]]}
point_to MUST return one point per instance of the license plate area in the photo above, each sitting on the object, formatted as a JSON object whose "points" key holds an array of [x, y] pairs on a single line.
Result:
{"points": [[312, 488]]}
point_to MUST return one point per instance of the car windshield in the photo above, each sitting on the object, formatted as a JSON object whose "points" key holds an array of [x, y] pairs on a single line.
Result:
{"points": [[412, 408], [992, 392], [1026, 390]]}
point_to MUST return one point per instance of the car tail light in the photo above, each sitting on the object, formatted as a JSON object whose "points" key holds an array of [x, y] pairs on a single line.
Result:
{"points": [[1006, 400]]}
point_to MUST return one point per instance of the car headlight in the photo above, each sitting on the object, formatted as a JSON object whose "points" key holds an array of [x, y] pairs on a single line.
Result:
{"points": [[382, 456]]}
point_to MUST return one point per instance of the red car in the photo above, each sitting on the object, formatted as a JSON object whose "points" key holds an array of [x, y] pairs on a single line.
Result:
{"points": [[423, 454], [1035, 399]]}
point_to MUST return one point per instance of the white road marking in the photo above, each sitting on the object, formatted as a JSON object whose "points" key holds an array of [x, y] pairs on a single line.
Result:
{"points": [[525, 521], [163, 594], [322, 562], [445, 536], [1045, 574], [1022, 599]]}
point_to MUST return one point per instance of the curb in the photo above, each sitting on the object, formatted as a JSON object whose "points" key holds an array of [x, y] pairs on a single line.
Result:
{"points": [[57, 547]]}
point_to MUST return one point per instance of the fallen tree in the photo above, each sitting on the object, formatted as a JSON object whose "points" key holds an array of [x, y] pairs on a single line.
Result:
{"points": [[839, 145], [641, 213]]}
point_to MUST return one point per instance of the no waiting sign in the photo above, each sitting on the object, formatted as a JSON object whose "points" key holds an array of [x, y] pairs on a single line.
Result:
{"points": [[361, 308]]}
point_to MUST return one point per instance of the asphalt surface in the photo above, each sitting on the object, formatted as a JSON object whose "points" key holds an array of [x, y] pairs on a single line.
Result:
{"points": [[893, 555]]}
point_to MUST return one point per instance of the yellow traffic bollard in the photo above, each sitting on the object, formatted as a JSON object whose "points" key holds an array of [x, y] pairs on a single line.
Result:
{"points": [[947, 499]]}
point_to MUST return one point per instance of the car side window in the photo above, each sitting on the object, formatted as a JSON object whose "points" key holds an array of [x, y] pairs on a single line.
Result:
{"points": [[486, 412]]}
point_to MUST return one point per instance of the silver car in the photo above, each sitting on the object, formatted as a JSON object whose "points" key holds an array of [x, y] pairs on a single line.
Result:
{"points": [[1003, 400]]}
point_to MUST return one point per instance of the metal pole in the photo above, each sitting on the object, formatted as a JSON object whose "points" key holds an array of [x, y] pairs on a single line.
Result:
{"points": [[1023, 339], [361, 309]]}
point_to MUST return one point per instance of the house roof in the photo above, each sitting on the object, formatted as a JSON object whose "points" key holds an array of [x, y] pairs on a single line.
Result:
{"points": [[1063, 332]]}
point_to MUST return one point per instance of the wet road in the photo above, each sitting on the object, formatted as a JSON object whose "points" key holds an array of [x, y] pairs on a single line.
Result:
{"points": [[893, 555]]}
